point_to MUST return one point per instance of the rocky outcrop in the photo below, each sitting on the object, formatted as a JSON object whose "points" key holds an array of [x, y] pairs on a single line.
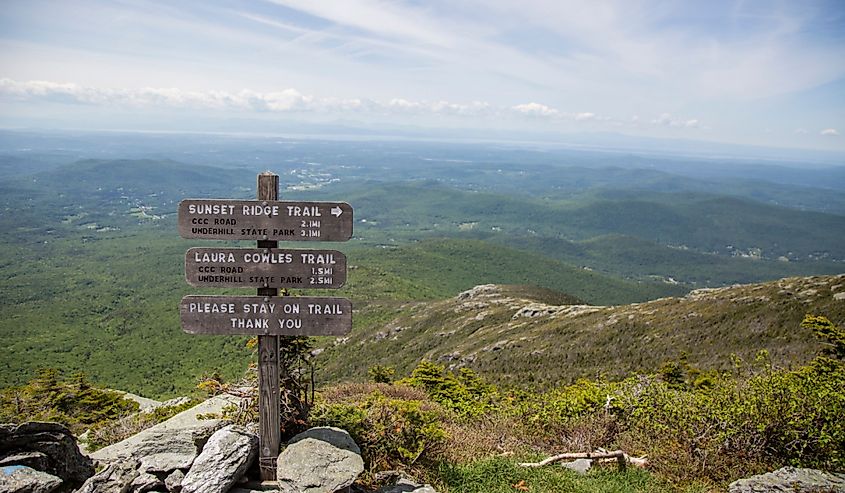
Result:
{"points": [[183, 454], [47, 447], [791, 480], [320, 460], [223, 461], [172, 459]]}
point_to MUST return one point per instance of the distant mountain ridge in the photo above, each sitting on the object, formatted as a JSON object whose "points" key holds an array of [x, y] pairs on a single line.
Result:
{"points": [[515, 337]]}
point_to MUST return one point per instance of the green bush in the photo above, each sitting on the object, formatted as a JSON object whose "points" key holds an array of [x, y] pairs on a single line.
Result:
{"points": [[392, 433], [740, 427], [73, 402], [465, 393], [566, 404], [381, 374], [754, 419], [833, 336]]}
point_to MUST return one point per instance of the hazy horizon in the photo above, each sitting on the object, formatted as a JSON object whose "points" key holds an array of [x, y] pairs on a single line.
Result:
{"points": [[758, 74]]}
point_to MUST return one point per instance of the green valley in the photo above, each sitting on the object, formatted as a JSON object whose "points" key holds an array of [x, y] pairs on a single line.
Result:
{"points": [[92, 264]]}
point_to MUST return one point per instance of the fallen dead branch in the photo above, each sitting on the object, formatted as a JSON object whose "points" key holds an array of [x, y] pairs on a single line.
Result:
{"points": [[602, 455]]}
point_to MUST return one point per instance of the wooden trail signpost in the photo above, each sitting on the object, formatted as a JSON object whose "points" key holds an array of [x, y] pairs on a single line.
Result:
{"points": [[267, 268]]}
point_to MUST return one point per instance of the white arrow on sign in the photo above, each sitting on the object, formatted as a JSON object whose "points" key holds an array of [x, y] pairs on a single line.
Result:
{"points": [[336, 211]]}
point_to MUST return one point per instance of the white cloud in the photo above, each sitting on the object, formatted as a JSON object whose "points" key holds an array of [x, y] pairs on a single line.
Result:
{"points": [[801, 131], [290, 100], [542, 111], [832, 132], [667, 120], [535, 109], [283, 101]]}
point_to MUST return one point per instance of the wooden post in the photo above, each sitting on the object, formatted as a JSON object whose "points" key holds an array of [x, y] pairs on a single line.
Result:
{"points": [[268, 362]]}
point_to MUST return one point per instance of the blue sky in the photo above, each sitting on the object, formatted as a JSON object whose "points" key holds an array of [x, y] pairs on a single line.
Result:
{"points": [[751, 72]]}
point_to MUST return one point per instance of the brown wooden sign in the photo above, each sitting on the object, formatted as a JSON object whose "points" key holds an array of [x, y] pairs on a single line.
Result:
{"points": [[223, 219], [264, 315], [265, 267]]}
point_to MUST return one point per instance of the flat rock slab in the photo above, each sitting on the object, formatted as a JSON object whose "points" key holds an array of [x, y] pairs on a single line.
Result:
{"points": [[171, 444], [143, 402], [791, 480], [22, 479]]}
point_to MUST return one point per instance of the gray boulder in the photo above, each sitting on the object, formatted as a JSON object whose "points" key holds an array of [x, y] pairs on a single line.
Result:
{"points": [[320, 460], [173, 482], [791, 480], [223, 461], [23, 479], [48, 446], [335, 436], [116, 478]]}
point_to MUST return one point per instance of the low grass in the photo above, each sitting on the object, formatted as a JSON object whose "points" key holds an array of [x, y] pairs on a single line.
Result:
{"points": [[505, 475]]}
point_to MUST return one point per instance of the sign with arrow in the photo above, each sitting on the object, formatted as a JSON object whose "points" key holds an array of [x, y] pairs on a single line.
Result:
{"points": [[223, 219]]}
